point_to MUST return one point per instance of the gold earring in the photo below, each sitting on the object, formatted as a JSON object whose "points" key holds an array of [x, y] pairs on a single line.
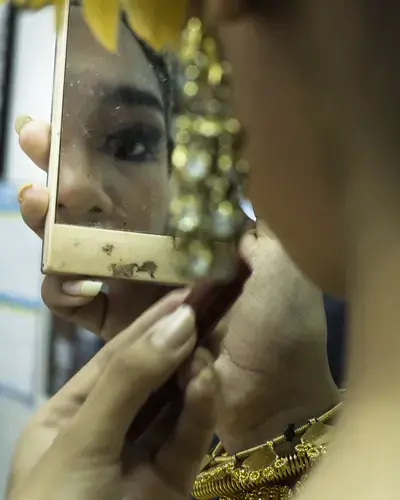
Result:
{"points": [[208, 173]]}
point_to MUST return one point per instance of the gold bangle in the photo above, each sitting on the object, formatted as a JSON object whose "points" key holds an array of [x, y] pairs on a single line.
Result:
{"points": [[300, 431], [229, 479], [273, 493], [260, 468]]}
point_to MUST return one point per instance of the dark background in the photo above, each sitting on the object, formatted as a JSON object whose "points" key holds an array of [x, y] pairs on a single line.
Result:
{"points": [[7, 32]]}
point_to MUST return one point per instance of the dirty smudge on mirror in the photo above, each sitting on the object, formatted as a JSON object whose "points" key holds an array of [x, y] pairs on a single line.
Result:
{"points": [[115, 134]]}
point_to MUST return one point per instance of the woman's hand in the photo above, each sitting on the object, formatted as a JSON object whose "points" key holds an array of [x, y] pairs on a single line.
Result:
{"points": [[81, 302], [76, 447], [273, 366]]}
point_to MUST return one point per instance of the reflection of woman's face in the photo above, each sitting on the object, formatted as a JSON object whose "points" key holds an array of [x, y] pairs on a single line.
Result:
{"points": [[114, 158]]}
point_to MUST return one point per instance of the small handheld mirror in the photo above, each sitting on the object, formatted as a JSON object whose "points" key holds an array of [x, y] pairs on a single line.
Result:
{"points": [[110, 160]]}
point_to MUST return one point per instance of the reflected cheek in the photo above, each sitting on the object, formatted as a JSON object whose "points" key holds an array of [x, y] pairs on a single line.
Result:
{"points": [[144, 195]]}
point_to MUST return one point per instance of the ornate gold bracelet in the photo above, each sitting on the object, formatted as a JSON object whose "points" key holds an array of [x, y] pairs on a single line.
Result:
{"points": [[260, 473]]}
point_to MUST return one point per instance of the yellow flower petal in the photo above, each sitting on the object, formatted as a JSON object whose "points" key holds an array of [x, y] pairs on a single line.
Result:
{"points": [[59, 12], [158, 22], [38, 4], [19, 3], [102, 17]]}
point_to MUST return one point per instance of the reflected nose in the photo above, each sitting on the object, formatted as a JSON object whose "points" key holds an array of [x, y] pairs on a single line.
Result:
{"points": [[80, 193]]}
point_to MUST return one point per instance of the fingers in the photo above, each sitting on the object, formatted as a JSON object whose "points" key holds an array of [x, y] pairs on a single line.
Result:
{"points": [[213, 342], [34, 139], [34, 203], [178, 461], [71, 397], [211, 346], [82, 302], [193, 366], [79, 301], [141, 362], [150, 443], [248, 246]]}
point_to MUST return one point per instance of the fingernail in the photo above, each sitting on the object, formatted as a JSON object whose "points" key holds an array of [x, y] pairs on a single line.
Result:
{"points": [[176, 330], [201, 359], [197, 366], [22, 191], [207, 378], [82, 288], [20, 122]]}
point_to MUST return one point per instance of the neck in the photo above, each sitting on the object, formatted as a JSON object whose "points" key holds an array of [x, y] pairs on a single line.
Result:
{"points": [[373, 263], [367, 435]]}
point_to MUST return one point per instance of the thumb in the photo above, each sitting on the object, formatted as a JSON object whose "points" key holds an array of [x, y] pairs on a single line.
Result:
{"points": [[137, 367]]}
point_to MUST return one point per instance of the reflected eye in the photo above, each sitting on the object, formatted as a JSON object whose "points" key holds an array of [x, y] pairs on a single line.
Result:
{"points": [[140, 143]]}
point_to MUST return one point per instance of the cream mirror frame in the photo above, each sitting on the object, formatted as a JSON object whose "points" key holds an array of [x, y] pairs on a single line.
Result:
{"points": [[93, 251]]}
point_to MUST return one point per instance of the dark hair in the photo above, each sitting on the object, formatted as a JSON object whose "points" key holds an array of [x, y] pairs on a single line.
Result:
{"points": [[159, 65], [166, 81], [163, 74]]}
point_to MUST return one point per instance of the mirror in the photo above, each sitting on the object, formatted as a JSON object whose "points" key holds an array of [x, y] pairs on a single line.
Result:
{"points": [[110, 159], [115, 135]]}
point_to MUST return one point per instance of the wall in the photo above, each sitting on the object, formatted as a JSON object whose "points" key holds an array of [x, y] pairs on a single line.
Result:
{"points": [[32, 85], [32, 89]]}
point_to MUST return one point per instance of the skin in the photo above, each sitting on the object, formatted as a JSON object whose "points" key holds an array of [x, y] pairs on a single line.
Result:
{"points": [[323, 149], [306, 221], [61, 444], [287, 327], [114, 159]]}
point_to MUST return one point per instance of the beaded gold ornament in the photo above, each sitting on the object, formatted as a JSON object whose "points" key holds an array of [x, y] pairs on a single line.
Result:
{"points": [[208, 173], [260, 473]]}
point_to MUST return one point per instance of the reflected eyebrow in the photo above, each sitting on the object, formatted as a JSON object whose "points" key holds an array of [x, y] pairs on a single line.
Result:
{"points": [[130, 96]]}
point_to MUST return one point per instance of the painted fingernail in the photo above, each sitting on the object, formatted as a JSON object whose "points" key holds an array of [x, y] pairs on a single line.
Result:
{"points": [[23, 190], [82, 288], [20, 122], [176, 330]]}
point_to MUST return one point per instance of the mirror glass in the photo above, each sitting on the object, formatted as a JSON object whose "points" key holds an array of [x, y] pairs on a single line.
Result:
{"points": [[116, 133], [115, 136]]}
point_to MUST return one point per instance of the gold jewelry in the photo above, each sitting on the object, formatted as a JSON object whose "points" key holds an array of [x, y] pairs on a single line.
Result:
{"points": [[260, 471], [208, 173]]}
